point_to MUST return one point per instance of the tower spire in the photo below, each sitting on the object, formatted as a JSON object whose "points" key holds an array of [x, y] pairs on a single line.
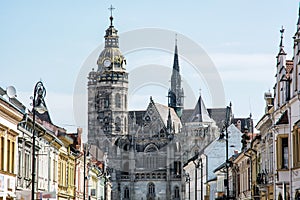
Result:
{"points": [[176, 62], [175, 95]]}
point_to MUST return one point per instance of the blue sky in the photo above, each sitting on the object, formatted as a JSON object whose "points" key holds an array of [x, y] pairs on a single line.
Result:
{"points": [[50, 40]]}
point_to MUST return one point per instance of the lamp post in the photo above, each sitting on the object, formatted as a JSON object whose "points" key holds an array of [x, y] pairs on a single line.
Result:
{"points": [[226, 124], [85, 156], [188, 180], [198, 163], [39, 106]]}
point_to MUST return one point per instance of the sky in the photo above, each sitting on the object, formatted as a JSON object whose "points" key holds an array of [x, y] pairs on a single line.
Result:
{"points": [[52, 41]]}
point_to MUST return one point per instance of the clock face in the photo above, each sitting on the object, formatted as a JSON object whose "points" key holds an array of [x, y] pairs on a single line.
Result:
{"points": [[106, 63]]}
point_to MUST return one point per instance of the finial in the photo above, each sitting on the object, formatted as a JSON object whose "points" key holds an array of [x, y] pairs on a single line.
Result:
{"points": [[176, 39], [281, 31], [230, 104], [111, 8], [200, 91]]}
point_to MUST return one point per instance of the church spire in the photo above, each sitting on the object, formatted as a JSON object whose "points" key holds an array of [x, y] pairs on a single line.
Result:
{"points": [[175, 95], [176, 62]]}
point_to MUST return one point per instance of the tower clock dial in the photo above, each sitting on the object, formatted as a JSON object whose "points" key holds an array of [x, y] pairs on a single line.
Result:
{"points": [[106, 62]]}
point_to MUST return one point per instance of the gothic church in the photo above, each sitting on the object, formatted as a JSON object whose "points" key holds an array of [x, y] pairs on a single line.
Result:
{"points": [[146, 149]]}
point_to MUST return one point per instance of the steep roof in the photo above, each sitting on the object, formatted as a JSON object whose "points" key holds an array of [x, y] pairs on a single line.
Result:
{"points": [[164, 112], [200, 113]]}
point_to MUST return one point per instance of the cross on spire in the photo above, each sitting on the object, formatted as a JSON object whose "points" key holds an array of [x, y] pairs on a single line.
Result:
{"points": [[111, 8]]}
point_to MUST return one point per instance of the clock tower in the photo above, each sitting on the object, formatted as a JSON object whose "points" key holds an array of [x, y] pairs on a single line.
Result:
{"points": [[107, 92]]}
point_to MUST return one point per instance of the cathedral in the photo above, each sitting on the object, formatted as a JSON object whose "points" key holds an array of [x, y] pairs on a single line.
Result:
{"points": [[146, 149]]}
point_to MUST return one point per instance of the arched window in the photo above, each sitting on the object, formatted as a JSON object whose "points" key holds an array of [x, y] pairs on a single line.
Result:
{"points": [[126, 193], [125, 101], [118, 124], [118, 100], [176, 192], [151, 189]]}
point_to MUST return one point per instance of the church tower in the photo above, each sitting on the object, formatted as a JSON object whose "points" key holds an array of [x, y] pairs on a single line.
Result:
{"points": [[175, 94], [107, 91]]}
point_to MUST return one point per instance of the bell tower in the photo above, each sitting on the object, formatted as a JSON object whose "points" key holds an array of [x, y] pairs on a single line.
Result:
{"points": [[108, 90]]}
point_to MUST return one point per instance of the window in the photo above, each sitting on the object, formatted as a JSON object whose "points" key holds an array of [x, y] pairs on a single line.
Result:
{"points": [[126, 193], [285, 153], [20, 162], [27, 164], [151, 189], [106, 101], [8, 156], [54, 170], [118, 124], [176, 192], [125, 100], [12, 157], [177, 167], [2, 153], [118, 100], [296, 147], [282, 152]]}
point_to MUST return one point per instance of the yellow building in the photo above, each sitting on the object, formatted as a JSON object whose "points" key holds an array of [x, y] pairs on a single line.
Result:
{"points": [[66, 169], [11, 112]]}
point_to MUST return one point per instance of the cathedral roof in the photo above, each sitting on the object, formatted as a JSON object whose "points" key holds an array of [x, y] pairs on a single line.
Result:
{"points": [[164, 112]]}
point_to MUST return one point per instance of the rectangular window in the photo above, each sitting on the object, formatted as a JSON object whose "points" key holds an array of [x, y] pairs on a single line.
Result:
{"points": [[285, 153], [296, 147], [12, 157], [20, 164], [27, 164], [2, 153], [8, 156]]}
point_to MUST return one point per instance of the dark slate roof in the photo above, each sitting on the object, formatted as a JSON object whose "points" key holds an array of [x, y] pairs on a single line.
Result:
{"points": [[200, 113], [186, 114], [218, 114]]}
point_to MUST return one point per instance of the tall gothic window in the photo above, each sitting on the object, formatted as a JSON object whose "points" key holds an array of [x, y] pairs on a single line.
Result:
{"points": [[126, 193], [118, 124], [118, 100], [176, 192], [151, 189], [106, 101]]}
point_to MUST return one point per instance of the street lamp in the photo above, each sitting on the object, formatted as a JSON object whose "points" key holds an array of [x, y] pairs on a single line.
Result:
{"points": [[188, 180], [222, 135], [39, 106], [198, 163]]}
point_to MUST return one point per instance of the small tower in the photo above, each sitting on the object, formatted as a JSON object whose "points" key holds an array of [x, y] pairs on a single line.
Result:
{"points": [[176, 94], [280, 74]]}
